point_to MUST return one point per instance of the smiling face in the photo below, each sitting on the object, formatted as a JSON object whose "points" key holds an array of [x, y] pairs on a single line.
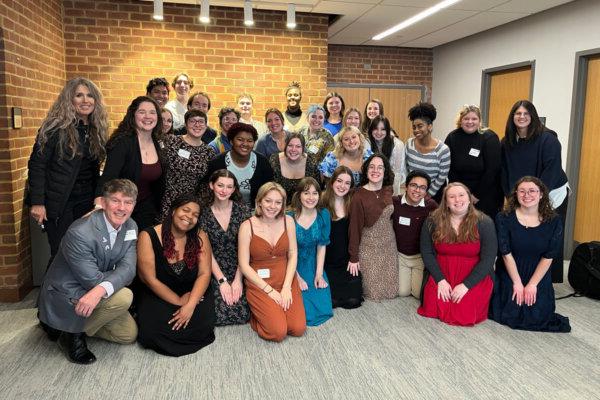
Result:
{"points": [[160, 94], [341, 185], [83, 102], [353, 119], [522, 119], [457, 200], [185, 217], [372, 110], [309, 197], [167, 120], [227, 121], [470, 122], [271, 204], [350, 141], [182, 86], [416, 190], [223, 188], [421, 128], [145, 117], [117, 208], [245, 105], [274, 123], [200, 103], [293, 150], [528, 195], [293, 96], [334, 106], [316, 119], [242, 144], [196, 126], [376, 170], [379, 133]]}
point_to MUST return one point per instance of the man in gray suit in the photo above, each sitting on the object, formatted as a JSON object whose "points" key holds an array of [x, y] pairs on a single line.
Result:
{"points": [[84, 288]]}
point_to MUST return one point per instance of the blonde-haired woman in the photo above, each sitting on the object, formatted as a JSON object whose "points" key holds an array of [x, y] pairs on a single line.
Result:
{"points": [[65, 161], [458, 246], [475, 160], [349, 151], [267, 255]]}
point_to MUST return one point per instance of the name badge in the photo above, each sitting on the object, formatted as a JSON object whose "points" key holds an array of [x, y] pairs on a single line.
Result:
{"points": [[130, 235], [404, 221], [264, 273], [474, 152], [184, 153], [313, 149]]}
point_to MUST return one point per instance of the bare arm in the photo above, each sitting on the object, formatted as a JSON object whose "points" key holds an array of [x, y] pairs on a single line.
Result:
{"points": [[292, 253]]}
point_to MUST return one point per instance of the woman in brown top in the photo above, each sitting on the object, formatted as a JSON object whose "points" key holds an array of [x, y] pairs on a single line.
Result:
{"points": [[371, 231]]}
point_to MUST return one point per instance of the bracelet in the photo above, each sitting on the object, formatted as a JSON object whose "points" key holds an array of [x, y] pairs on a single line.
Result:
{"points": [[264, 287], [269, 292]]}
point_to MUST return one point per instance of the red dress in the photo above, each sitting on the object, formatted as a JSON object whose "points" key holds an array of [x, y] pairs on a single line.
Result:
{"points": [[456, 260]]}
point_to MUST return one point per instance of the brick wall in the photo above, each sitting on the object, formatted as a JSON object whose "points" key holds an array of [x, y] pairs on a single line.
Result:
{"points": [[118, 45], [32, 72], [398, 65]]}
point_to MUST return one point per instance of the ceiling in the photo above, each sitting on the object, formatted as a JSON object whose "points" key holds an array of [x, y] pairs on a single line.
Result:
{"points": [[360, 20]]}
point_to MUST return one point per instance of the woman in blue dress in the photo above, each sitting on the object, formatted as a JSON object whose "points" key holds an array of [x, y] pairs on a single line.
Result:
{"points": [[529, 237], [312, 234]]}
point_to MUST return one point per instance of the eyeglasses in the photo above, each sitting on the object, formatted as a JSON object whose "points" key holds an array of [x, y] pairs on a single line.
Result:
{"points": [[530, 192], [414, 186], [197, 121]]}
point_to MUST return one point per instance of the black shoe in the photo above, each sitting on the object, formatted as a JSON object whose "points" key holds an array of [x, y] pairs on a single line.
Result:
{"points": [[51, 333], [75, 347]]}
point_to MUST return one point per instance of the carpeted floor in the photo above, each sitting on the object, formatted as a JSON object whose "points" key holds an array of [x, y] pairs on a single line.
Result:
{"points": [[379, 351]]}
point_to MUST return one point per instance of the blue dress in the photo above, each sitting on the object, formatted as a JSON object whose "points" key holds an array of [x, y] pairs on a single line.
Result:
{"points": [[527, 246], [317, 302]]}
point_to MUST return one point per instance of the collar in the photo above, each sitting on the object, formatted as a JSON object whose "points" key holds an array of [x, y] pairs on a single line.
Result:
{"points": [[296, 113], [421, 203], [109, 226]]}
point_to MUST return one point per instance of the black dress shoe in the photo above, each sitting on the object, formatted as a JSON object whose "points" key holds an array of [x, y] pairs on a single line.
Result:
{"points": [[52, 333], [75, 347]]}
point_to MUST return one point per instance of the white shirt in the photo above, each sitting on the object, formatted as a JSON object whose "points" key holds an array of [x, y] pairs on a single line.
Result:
{"points": [[112, 237], [421, 203]]}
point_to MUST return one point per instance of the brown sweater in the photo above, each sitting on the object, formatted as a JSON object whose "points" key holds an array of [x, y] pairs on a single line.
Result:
{"points": [[365, 210]]}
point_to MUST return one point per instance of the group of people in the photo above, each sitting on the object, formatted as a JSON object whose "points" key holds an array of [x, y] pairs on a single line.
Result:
{"points": [[279, 223]]}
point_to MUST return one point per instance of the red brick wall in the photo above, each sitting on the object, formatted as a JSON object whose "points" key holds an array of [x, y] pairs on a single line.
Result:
{"points": [[396, 65], [118, 45], [32, 72]]}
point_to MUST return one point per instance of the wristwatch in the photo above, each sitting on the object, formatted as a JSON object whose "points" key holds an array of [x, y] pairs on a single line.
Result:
{"points": [[222, 280]]}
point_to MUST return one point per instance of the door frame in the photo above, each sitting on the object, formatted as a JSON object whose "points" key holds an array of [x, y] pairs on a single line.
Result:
{"points": [[422, 88], [486, 85], [575, 140]]}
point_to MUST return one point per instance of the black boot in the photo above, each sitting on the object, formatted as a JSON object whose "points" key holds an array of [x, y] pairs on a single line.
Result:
{"points": [[52, 333], [75, 347]]}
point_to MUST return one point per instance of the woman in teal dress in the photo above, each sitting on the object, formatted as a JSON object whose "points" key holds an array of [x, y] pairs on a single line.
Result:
{"points": [[312, 234]]}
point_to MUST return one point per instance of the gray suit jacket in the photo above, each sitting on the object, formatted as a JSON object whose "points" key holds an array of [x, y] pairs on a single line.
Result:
{"points": [[84, 260]]}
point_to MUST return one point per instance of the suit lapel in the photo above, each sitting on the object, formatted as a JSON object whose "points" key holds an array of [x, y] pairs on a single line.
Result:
{"points": [[103, 239]]}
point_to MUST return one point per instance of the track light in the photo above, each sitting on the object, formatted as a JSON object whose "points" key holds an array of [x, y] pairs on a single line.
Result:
{"points": [[248, 19], [204, 11], [291, 16], [158, 10]]}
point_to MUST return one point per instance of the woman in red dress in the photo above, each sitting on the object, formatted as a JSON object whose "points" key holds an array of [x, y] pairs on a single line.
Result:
{"points": [[458, 246]]}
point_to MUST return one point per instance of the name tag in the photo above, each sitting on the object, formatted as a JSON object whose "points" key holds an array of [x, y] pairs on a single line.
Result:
{"points": [[313, 149], [404, 221], [264, 273], [184, 153], [130, 235], [474, 152]]}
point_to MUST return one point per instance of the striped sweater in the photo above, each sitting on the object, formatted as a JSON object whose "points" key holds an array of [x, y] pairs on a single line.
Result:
{"points": [[436, 163]]}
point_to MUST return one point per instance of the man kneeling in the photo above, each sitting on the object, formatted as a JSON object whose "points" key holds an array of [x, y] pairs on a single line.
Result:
{"points": [[84, 288]]}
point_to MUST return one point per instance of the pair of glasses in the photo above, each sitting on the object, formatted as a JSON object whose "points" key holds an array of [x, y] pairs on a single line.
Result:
{"points": [[197, 121], [414, 186], [530, 192]]}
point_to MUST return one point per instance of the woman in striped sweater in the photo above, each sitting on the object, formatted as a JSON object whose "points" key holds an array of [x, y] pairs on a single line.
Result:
{"points": [[424, 152]]}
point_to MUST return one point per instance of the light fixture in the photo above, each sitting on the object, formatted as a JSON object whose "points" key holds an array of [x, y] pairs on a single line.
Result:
{"points": [[291, 16], [248, 19], [204, 11], [158, 10], [414, 19]]}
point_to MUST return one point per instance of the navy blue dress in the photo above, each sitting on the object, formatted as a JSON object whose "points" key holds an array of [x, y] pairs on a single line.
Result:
{"points": [[527, 246]]}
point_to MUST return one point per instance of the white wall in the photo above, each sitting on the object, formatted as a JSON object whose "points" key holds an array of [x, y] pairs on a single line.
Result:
{"points": [[551, 38]]}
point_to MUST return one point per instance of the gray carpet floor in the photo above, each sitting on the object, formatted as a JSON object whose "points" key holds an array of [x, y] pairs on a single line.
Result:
{"points": [[379, 351]]}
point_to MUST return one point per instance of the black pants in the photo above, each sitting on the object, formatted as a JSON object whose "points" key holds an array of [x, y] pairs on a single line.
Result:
{"points": [[557, 267]]}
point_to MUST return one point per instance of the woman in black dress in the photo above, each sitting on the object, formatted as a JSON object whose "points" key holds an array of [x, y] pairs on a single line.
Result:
{"points": [[475, 160], [221, 222], [346, 285], [176, 313]]}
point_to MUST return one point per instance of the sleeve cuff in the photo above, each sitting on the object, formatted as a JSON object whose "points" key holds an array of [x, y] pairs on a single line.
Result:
{"points": [[108, 287]]}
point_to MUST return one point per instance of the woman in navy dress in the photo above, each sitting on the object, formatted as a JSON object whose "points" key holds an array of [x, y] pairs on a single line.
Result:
{"points": [[312, 235], [529, 237]]}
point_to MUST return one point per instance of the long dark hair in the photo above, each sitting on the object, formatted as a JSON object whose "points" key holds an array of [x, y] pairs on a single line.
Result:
{"points": [[387, 146], [534, 129], [388, 174], [225, 173], [328, 197], [193, 244], [304, 184], [545, 209], [127, 125], [366, 121], [331, 95]]}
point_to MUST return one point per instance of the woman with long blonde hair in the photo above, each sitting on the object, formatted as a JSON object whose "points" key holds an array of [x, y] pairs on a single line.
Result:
{"points": [[65, 162], [458, 246]]}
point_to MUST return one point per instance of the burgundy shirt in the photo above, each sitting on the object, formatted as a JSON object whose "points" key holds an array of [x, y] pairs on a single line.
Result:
{"points": [[407, 221], [149, 174]]}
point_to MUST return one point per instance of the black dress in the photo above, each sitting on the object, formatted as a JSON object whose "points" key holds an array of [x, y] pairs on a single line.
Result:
{"points": [[224, 246], [527, 246], [154, 313], [346, 290]]}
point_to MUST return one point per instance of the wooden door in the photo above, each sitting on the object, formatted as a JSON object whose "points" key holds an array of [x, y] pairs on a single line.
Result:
{"points": [[355, 97], [587, 214], [396, 103], [506, 87]]}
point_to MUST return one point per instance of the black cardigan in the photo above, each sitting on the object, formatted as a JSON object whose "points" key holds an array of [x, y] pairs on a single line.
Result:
{"points": [[51, 178], [262, 175]]}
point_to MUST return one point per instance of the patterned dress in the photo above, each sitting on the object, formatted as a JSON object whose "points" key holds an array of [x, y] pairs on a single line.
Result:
{"points": [[186, 165], [290, 184], [330, 163], [224, 247]]}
